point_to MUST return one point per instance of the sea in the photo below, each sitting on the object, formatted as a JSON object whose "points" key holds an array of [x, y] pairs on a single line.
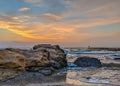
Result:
{"points": [[73, 75]]}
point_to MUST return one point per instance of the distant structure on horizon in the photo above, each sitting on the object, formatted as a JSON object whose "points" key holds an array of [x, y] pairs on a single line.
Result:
{"points": [[89, 47]]}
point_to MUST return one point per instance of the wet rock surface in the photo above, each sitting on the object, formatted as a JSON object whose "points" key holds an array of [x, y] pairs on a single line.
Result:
{"points": [[43, 58], [8, 74]]}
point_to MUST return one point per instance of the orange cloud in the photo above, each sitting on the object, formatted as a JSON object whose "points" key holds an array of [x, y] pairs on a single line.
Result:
{"points": [[62, 31], [52, 16], [24, 9], [101, 22], [90, 23], [32, 1]]}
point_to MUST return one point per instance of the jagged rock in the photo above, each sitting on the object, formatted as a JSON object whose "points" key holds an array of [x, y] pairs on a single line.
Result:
{"points": [[88, 62], [47, 47], [11, 64], [44, 58], [38, 58], [45, 55], [42, 55], [46, 71], [42, 46], [11, 60], [55, 64], [8, 73], [20, 51]]}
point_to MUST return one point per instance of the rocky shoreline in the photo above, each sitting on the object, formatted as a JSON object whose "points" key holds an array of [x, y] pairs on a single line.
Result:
{"points": [[47, 64], [43, 58]]}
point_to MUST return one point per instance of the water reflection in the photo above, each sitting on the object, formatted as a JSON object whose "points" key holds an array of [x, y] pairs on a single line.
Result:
{"points": [[71, 77], [36, 80]]}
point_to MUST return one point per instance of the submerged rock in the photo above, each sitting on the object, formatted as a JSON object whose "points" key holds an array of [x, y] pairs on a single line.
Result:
{"points": [[88, 62]]}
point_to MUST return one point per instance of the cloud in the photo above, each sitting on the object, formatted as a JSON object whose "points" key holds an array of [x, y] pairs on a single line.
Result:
{"points": [[24, 9], [88, 24], [51, 16], [54, 6], [54, 30], [32, 1], [8, 18], [100, 22], [37, 31], [77, 9], [100, 8], [82, 10]]}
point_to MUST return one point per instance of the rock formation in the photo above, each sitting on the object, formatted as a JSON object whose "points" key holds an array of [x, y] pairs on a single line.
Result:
{"points": [[11, 60], [43, 58], [88, 62], [117, 58]]}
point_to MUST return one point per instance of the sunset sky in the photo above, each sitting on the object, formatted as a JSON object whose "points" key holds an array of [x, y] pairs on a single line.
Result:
{"points": [[69, 23]]}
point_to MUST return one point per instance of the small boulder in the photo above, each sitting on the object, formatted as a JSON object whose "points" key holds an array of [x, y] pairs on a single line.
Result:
{"points": [[117, 59], [88, 62]]}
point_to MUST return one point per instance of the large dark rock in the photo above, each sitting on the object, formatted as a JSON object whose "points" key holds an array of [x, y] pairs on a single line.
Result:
{"points": [[117, 59], [88, 62], [45, 55]]}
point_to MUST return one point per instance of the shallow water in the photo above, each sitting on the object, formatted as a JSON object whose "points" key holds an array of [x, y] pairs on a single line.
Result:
{"points": [[96, 76], [73, 75], [101, 76]]}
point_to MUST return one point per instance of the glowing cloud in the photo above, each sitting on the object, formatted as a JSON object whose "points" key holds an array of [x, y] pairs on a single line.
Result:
{"points": [[24, 9], [52, 16]]}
